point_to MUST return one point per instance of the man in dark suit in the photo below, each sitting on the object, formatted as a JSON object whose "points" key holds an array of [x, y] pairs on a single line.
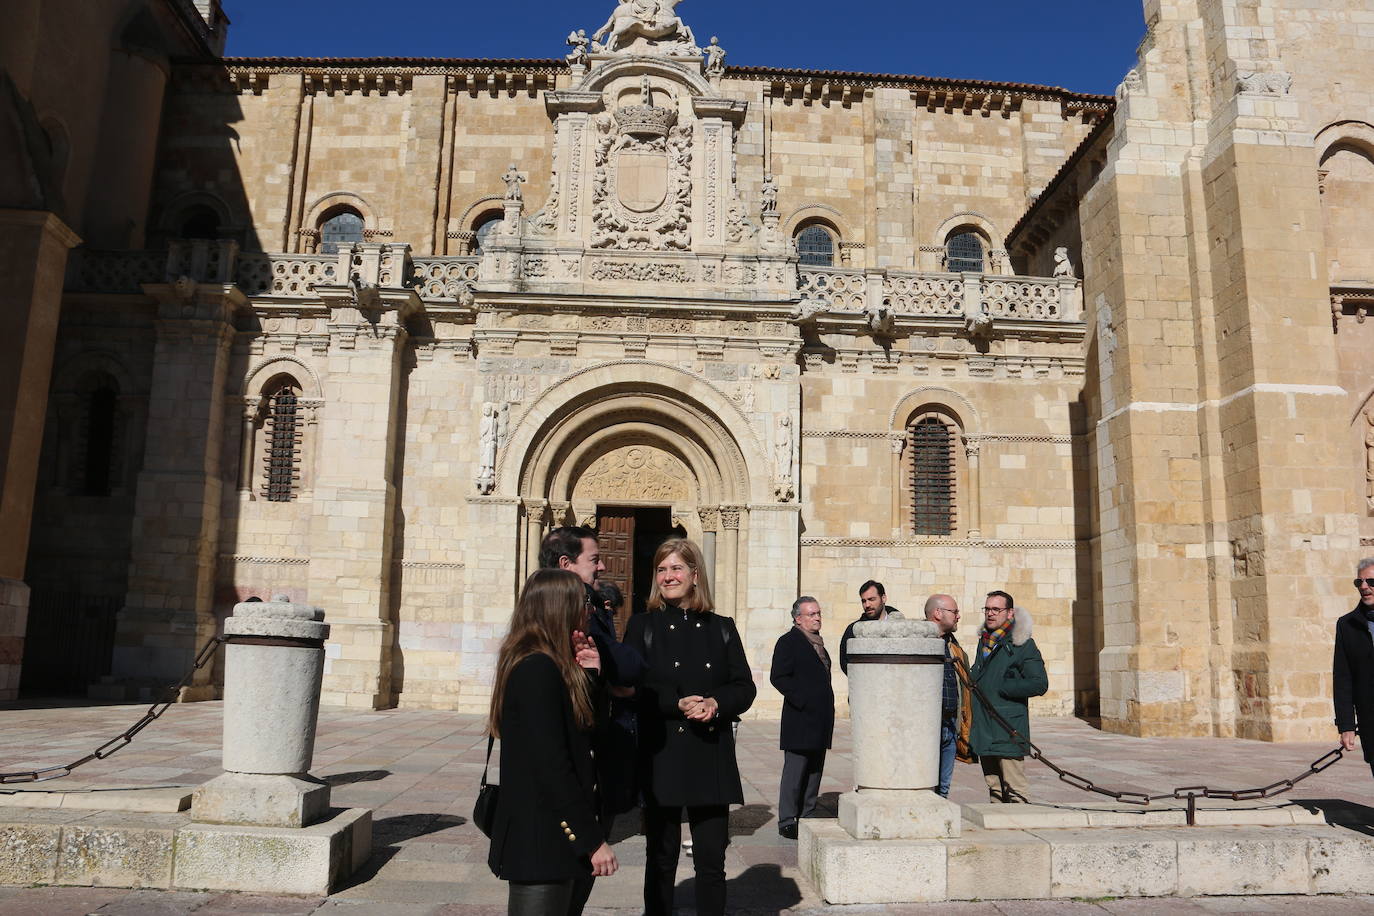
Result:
{"points": [[801, 673], [1352, 678]]}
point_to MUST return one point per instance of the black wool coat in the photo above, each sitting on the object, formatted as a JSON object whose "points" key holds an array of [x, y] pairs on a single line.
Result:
{"points": [[546, 827], [1352, 679], [808, 710], [687, 653]]}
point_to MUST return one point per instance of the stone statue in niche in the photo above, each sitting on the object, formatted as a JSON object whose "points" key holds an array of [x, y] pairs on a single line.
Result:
{"points": [[656, 20], [715, 57], [782, 456], [768, 195], [1063, 267], [1369, 458], [486, 449], [578, 41], [513, 180]]}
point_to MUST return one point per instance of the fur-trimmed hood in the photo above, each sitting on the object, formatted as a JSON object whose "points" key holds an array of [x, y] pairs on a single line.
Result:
{"points": [[1020, 627]]}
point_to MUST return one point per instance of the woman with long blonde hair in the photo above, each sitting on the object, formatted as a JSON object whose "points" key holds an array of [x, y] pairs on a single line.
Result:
{"points": [[696, 683], [546, 841]]}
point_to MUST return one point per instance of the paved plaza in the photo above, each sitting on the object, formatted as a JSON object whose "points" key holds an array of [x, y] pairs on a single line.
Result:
{"points": [[418, 770]]}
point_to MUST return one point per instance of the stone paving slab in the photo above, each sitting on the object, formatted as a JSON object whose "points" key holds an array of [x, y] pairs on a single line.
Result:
{"points": [[418, 770]]}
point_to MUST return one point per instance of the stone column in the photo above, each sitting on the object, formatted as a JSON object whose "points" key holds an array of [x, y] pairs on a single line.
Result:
{"points": [[975, 483], [354, 506], [727, 553], [273, 665], [33, 257], [168, 609]]}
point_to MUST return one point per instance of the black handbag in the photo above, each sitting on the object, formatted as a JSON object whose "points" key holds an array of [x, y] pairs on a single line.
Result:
{"points": [[488, 797]]}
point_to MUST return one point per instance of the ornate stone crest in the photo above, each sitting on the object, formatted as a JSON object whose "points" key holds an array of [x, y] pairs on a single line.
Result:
{"points": [[642, 192]]}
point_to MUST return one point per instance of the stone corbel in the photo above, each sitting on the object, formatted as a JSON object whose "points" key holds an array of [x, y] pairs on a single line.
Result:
{"points": [[731, 110], [566, 101]]}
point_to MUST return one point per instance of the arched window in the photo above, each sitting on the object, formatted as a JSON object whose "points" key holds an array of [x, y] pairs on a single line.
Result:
{"points": [[816, 245], [199, 222], [485, 228], [282, 428], [343, 226], [933, 475], [98, 460], [964, 253]]}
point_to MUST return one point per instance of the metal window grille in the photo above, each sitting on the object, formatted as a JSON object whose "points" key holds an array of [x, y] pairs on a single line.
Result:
{"points": [[816, 247], [932, 477], [964, 253], [281, 463], [100, 441], [343, 228]]}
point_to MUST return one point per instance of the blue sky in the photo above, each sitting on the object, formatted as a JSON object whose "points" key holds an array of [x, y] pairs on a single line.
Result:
{"points": [[1083, 45]]}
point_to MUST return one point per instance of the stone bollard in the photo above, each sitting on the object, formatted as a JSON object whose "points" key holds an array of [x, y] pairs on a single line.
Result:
{"points": [[273, 665], [896, 677]]}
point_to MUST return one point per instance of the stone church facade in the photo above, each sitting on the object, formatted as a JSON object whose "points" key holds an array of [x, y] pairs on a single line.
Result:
{"points": [[374, 326]]}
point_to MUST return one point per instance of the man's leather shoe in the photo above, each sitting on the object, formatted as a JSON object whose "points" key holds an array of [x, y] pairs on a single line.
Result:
{"points": [[788, 832]]}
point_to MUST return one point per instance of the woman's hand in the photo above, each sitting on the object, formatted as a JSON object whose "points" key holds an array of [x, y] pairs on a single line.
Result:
{"points": [[585, 651], [699, 709], [603, 862]]}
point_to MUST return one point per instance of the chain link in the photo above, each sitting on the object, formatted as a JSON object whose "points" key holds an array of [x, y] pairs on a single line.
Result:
{"points": [[1187, 793], [121, 740]]}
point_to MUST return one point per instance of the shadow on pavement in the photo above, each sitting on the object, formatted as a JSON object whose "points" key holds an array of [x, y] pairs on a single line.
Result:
{"points": [[344, 779], [749, 818], [757, 889], [1341, 813], [388, 833]]}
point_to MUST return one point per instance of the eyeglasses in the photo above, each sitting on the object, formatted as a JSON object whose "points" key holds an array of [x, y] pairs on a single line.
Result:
{"points": [[1368, 582], [995, 610]]}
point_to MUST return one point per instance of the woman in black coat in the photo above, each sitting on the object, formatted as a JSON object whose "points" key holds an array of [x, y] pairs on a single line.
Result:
{"points": [[696, 683], [546, 840]]}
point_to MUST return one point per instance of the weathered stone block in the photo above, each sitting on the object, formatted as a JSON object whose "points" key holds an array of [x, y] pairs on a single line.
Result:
{"points": [[283, 860], [1111, 863], [115, 856], [894, 814], [1341, 862], [994, 816], [253, 799], [1241, 861], [846, 870], [28, 853], [1020, 861]]}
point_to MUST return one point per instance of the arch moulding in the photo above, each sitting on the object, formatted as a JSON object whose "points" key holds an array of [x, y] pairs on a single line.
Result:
{"points": [[322, 205], [963, 410], [263, 371], [818, 212], [1358, 134]]}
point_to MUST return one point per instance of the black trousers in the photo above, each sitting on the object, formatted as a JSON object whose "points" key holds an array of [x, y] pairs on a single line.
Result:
{"points": [[552, 898], [800, 785], [710, 826]]}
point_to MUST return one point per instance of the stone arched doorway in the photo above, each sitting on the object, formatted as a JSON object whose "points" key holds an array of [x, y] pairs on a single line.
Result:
{"points": [[639, 461]]}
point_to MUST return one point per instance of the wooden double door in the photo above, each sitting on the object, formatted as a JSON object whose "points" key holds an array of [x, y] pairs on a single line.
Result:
{"points": [[628, 537]]}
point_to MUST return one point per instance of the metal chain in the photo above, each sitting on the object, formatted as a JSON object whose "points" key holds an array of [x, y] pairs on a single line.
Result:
{"points": [[203, 657], [1187, 793]]}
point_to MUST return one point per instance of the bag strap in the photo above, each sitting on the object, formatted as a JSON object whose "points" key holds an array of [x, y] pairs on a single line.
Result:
{"points": [[491, 739]]}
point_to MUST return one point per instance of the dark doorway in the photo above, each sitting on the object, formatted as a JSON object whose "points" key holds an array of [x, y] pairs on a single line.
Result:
{"points": [[69, 642], [628, 537]]}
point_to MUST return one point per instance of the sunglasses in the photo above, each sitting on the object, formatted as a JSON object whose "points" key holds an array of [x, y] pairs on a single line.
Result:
{"points": [[1369, 582]]}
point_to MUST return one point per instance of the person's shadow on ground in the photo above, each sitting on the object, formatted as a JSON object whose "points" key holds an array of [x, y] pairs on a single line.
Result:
{"points": [[757, 889], [388, 833]]}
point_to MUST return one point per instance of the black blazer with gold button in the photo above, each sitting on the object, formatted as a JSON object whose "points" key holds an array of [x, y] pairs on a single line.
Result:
{"points": [[689, 654], [546, 827]]}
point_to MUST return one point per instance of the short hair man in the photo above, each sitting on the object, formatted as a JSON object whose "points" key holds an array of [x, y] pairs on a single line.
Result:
{"points": [[801, 673], [956, 713], [1007, 671], [1352, 666], [873, 601]]}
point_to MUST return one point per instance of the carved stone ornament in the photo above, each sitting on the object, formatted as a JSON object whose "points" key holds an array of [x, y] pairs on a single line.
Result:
{"points": [[645, 27], [488, 435], [642, 186], [1274, 82], [639, 472], [1063, 267]]}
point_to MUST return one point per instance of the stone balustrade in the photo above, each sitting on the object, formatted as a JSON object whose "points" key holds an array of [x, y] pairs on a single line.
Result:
{"points": [[909, 294]]}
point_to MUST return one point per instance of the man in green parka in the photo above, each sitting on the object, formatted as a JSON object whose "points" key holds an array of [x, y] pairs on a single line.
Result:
{"points": [[1008, 669]]}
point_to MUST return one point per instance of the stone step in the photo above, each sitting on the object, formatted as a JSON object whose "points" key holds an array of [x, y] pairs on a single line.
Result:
{"points": [[161, 800], [1209, 813]]}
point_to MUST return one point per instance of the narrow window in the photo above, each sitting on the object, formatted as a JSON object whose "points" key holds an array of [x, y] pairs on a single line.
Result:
{"points": [[100, 435], [281, 463], [932, 478], [964, 253], [200, 222], [344, 227], [816, 247]]}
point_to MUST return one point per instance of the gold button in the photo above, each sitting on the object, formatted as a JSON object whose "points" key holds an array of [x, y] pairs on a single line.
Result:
{"points": [[708, 664], [681, 729], [672, 626], [698, 624], [563, 824], [677, 664], [572, 837], [711, 729]]}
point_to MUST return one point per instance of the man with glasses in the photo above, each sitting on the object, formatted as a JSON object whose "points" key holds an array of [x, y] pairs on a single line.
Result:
{"points": [[1352, 668], [955, 710], [1008, 671]]}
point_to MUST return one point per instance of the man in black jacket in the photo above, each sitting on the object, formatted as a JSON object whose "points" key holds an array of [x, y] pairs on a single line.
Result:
{"points": [[873, 600], [1352, 668], [801, 673]]}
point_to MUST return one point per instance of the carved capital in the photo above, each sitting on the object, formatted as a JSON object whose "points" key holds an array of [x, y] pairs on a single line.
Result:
{"points": [[710, 518], [729, 517]]}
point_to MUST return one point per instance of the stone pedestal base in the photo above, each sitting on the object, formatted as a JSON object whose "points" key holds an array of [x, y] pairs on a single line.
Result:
{"points": [[894, 814], [256, 800], [274, 860], [846, 870]]}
